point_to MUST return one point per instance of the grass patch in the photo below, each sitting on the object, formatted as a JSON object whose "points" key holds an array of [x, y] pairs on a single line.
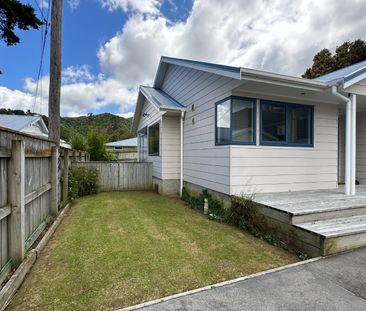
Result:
{"points": [[122, 248]]}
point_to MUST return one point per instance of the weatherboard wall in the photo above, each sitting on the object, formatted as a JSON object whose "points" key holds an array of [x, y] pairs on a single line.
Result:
{"points": [[259, 169], [205, 164]]}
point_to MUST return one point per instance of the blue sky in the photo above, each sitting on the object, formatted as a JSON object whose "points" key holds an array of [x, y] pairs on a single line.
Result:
{"points": [[112, 46]]}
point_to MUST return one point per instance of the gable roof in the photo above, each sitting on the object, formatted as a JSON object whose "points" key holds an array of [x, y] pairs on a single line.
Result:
{"points": [[227, 71], [159, 99], [348, 75], [20, 122], [131, 142]]}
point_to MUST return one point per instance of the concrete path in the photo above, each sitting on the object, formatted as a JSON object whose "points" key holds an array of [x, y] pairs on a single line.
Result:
{"points": [[333, 283]]}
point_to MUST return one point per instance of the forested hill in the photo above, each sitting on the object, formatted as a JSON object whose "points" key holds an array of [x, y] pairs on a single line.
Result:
{"points": [[115, 127]]}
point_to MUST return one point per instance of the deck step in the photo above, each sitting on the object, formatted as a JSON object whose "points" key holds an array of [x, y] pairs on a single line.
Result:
{"points": [[338, 234], [328, 212]]}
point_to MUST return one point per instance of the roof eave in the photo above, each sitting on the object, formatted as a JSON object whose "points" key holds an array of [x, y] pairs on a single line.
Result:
{"points": [[267, 77]]}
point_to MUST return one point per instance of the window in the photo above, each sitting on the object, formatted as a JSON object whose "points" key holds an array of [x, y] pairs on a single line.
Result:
{"points": [[235, 121], [286, 124], [154, 140]]}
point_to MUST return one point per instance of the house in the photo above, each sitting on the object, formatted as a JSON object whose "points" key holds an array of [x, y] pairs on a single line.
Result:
{"points": [[237, 130], [32, 125], [124, 150]]}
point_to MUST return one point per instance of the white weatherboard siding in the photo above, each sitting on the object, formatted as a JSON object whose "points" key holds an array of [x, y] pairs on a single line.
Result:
{"points": [[257, 169], [361, 148], [170, 147], [153, 116], [205, 164]]}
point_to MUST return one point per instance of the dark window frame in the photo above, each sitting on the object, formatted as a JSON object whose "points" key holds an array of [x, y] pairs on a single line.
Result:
{"points": [[254, 123], [287, 106], [155, 153]]}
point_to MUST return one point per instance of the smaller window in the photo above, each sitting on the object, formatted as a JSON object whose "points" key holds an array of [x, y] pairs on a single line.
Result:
{"points": [[193, 107], [235, 121], [154, 140]]}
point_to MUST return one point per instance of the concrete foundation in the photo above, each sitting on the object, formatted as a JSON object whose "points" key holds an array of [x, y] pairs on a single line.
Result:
{"points": [[195, 190], [166, 187]]}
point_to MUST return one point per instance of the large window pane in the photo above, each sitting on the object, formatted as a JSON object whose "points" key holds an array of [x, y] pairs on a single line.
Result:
{"points": [[273, 122], [300, 125], [223, 122], [242, 121]]}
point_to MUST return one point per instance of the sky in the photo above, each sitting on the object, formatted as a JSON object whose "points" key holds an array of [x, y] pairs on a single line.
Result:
{"points": [[110, 47]]}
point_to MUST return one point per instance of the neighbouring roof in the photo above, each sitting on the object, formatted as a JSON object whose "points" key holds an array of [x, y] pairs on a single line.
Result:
{"points": [[160, 99], [132, 142], [20, 122], [345, 75]]}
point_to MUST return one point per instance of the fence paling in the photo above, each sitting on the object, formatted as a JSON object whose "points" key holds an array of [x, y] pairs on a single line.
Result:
{"points": [[121, 176], [29, 183]]}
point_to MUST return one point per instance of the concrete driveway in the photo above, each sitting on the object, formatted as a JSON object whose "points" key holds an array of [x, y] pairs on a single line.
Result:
{"points": [[333, 283]]}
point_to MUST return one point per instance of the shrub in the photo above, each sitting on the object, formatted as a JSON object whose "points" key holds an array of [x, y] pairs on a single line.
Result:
{"points": [[96, 147], [83, 181], [216, 209], [78, 142]]}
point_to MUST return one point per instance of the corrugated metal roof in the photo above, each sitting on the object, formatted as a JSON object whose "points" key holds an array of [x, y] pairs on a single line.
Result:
{"points": [[223, 70], [346, 73], [132, 142], [17, 122], [160, 99]]}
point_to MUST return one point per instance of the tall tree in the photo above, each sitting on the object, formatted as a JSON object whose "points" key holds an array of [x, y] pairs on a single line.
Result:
{"points": [[14, 14], [348, 53]]}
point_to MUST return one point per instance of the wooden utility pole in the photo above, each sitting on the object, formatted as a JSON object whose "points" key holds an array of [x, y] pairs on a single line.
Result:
{"points": [[55, 72]]}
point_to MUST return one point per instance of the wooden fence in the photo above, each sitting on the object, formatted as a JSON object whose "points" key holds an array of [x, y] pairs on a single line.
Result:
{"points": [[33, 186], [121, 176]]}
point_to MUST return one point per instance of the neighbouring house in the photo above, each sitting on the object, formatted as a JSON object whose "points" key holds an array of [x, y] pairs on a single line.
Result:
{"points": [[124, 150], [234, 130], [32, 125]]}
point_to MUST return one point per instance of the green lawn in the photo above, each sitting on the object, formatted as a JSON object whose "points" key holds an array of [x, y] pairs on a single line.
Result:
{"points": [[118, 249]]}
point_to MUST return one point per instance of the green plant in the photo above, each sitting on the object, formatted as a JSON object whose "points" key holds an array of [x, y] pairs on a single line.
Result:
{"points": [[83, 181], [78, 142], [215, 207], [96, 147]]}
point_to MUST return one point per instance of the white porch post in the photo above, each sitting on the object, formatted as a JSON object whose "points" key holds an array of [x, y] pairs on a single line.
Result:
{"points": [[353, 144], [348, 155]]}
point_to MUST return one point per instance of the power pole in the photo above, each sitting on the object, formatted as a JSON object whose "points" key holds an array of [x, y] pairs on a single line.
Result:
{"points": [[55, 72]]}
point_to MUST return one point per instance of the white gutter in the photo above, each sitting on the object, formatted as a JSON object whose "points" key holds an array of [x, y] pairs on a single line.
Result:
{"points": [[181, 154], [349, 162]]}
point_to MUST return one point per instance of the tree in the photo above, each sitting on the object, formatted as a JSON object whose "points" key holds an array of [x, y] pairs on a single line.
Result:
{"points": [[348, 53], [96, 147], [15, 14], [323, 63]]}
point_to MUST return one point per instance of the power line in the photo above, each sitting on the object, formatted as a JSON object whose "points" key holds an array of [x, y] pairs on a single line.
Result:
{"points": [[43, 45]]}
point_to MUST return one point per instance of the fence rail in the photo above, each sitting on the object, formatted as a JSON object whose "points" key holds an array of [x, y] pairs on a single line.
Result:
{"points": [[121, 176], [33, 186]]}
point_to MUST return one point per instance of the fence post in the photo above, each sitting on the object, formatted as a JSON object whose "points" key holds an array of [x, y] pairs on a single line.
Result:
{"points": [[16, 188], [65, 185], [54, 182]]}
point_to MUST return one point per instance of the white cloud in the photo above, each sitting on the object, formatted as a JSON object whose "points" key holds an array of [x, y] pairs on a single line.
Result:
{"points": [[140, 6], [280, 36], [73, 4], [126, 115], [43, 4]]}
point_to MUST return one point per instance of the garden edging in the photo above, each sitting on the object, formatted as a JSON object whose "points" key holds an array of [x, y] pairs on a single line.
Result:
{"points": [[16, 280]]}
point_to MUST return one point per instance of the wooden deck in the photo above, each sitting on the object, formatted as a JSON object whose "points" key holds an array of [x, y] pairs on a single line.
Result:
{"points": [[323, 221]]}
